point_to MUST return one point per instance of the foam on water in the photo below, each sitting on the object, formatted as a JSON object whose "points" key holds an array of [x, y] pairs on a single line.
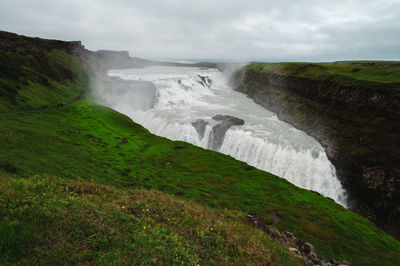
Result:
{"points": [[185, 95]]}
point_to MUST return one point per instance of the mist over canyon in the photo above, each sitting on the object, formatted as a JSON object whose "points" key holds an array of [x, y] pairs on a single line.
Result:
{"points": [[198, 105]]}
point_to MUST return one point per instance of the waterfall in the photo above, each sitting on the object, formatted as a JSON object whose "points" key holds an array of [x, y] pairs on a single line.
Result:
{"points": [[197, 106]]}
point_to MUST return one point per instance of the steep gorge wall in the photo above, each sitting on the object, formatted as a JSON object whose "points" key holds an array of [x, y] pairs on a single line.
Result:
{"points": [[358, 126]]}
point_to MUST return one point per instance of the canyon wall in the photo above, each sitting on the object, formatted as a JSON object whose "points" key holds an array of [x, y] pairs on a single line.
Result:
{"points": [[357, 124]]}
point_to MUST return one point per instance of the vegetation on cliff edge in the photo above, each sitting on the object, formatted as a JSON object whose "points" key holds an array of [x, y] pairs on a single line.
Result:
{"points": [[369, 74]]}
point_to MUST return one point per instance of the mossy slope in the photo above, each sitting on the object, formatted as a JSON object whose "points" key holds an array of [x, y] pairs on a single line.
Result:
{"points": [[50, 220], [89, 142], [36, 73]]}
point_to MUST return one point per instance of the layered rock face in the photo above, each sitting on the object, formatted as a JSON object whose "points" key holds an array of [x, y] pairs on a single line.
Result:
{"points": [[224, 122], [358, 125], [118, 59], [219, 130]]}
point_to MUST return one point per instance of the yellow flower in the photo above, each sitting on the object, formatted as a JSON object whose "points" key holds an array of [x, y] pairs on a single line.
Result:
{"points": [[123, 207], [169, 219], [212, 228], [142, 209], [147, 210], [144, 227]]}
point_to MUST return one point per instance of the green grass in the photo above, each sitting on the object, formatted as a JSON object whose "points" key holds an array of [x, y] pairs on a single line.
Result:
{"points": [[104, 161], [91, 143], [33, 81], [371, 74], [49, 220]]}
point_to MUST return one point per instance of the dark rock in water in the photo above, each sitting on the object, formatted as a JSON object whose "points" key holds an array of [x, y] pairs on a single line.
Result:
{"points": [[229, 119], [205, 81], [219, 130], [200, 126]]}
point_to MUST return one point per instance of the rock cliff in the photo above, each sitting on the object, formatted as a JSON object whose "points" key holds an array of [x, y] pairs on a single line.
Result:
{"points": [[118, 59], [357, 124]]}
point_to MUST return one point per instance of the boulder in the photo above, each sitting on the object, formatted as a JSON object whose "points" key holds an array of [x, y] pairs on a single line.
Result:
{"points": [[200, 126], [219, 130]]}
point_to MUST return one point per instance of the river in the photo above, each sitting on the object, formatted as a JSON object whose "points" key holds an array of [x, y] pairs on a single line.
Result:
{"points": [[180, 103]]}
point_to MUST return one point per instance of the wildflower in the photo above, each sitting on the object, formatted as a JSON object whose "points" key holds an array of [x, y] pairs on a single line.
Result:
{"points": [[212, 228], [123, 207], [144, 227], [169, 219], [147, 210], [142, 209]]}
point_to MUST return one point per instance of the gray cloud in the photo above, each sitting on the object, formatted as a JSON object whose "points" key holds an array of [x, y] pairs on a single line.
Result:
{"points": [[284, 30]]}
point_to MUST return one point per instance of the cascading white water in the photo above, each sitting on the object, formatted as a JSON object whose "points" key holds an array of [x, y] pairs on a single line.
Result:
{"points": [[185, 95]]}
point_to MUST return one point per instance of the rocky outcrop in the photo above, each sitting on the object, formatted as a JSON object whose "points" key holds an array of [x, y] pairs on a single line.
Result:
{"points": [[204, 81], [358, 125], [221, 124], [117, 59], [200, 126], [218, 132], [301, 249]]}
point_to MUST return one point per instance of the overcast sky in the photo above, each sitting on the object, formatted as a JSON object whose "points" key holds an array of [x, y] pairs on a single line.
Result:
{"points": [[280, 30]]}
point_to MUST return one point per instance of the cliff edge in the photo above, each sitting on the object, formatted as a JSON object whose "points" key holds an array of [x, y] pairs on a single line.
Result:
{"points": [[353, 110]]}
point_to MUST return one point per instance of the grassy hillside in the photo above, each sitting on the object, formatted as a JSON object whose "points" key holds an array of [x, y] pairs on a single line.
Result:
{"points": [[39, 79], [89, 143], [52, 221], [76, 183]]}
